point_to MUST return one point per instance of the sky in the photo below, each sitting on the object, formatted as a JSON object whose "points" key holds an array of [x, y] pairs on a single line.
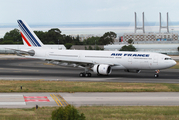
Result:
{"points": [[85, 11]]}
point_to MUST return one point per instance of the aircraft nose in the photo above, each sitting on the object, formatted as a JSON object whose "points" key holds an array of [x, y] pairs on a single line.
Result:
{"points": [[174, 63]]}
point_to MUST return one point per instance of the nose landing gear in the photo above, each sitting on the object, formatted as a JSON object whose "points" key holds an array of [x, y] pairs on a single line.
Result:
{"points": [[156, 75]]}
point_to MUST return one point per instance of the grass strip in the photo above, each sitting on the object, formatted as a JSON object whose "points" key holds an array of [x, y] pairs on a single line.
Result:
{"points": [[98, 113], [71, 86]]}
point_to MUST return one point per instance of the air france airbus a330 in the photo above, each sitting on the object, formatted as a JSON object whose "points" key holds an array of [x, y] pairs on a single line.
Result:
{"points": [[100, 62]]}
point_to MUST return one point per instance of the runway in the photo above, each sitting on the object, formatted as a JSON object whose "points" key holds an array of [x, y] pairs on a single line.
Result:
{"points": [[18, 68], [29, 100]]}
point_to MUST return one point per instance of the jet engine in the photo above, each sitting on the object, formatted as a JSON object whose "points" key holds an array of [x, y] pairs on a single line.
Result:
{"points": [[102, 69]]}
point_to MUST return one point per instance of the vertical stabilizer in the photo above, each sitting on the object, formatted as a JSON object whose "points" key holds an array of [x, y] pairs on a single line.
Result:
{"points": [[29, 37]]}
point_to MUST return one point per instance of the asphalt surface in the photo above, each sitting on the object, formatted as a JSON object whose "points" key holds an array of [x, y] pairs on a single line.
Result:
{"points": [[30, 69], [17, 68], [29, 100]]}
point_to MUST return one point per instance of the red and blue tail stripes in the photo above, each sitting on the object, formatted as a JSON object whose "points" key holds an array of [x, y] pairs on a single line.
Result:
{"points": [[27, 35]]}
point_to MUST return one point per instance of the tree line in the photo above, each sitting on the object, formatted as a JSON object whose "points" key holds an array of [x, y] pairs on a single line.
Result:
{"points": [[54, 36]]}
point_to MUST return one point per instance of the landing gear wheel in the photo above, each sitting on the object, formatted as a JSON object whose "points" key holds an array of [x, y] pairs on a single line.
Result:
{"points": [[156, 75], [89, 74], [98, 74], [81, 74], [85, 74]]}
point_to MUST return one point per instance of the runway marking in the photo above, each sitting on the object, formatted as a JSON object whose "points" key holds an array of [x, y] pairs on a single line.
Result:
{"points": [[36, 99], [54, 99], [62, 99], [59, 99], [35, 96]]}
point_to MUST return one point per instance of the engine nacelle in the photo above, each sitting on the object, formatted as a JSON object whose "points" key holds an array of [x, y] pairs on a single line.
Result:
{"points": [[102, 69], [133, 71]]}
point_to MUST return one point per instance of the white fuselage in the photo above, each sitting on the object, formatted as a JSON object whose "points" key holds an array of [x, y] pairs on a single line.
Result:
{"points": [[117, 59], [100, 62]]}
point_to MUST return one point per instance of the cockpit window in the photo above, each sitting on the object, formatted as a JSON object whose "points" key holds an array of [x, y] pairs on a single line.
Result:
{"points": [[168, 58]]}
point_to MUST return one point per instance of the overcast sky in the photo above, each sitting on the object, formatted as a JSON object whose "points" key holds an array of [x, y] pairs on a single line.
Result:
{"points": [[60, 11]]}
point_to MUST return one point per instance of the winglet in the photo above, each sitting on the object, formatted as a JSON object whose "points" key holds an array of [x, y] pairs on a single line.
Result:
{"points": [[28, 36]]}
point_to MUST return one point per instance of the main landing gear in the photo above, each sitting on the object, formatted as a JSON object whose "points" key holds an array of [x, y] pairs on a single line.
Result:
{"points": [[86, 73], [156, 75], [83, 74]]}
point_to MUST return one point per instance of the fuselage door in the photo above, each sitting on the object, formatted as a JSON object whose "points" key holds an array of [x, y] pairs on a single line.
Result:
{"points": [[155, 60], [46, 54], [130, 60]]}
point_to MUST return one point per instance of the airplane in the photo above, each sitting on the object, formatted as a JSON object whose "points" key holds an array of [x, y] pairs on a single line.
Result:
{"points": [[99, 62]]}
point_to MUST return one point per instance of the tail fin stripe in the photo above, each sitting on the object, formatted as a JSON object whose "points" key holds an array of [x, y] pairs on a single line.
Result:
{"points": [[25, 39], [28, 34], [32, 38]]}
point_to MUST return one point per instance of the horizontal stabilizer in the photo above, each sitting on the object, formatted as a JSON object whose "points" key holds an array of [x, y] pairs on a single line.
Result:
{"points": [[19, 52]]}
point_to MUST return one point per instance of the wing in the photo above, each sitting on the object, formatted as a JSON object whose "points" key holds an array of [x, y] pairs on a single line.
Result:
{"points": [[65, 61]]}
